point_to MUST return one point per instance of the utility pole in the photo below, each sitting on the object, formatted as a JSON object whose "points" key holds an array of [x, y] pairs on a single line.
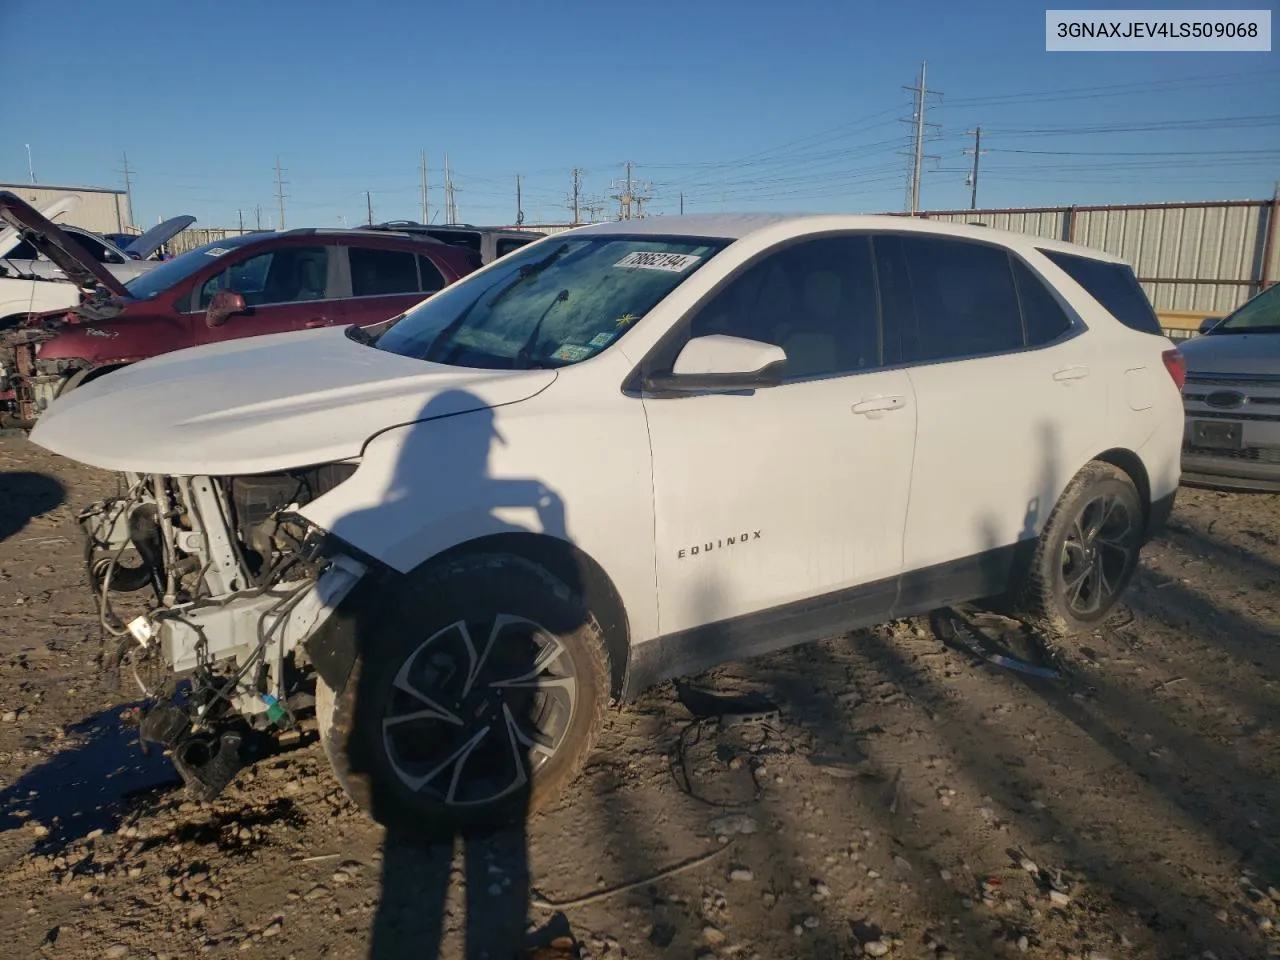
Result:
{"points": [[128, 187], [423, 178], [973, 177], [240, 214], [682, 203], [450, 206], [257, 213], [576, 202], [368, 203], [593, 209], [922, 92], [280, 191], [31, 170], [519, 204]]}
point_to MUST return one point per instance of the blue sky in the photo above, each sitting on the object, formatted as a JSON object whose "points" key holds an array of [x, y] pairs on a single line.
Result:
{"points": [[745, 105]]}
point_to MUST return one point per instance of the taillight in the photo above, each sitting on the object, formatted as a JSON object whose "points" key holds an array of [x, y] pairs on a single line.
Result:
{"points": [[1176, 364]]}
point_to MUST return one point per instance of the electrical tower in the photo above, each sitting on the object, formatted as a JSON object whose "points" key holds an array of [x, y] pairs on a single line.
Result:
{"points": [[972, 180], [593, 208], [280, 191], [450, 205], [631, 195], [922, 93]]}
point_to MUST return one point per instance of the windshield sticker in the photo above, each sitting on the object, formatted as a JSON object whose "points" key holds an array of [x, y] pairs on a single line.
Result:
{"points": [[600, 339], [653, 260], [217, 251], [572, 351]]}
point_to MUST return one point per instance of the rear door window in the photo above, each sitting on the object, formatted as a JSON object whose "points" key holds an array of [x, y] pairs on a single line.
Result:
{"points": [[1113, 285], [1043, 316], [378, 273], [506, 244], [432, 278], [960, 294]]}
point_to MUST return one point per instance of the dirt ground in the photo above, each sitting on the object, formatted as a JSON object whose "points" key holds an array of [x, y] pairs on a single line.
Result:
{"points": [[891, 796]]}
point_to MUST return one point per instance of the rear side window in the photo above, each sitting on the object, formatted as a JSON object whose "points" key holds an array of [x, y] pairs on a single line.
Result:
{"points": [[432, 278], [962, 295], [1114, 286], [459, 238], [377, 273], [1043, 315]]}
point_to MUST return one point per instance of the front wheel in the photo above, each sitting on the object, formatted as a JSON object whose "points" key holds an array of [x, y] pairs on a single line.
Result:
{"points": [[1087, 553], [477, 693]]}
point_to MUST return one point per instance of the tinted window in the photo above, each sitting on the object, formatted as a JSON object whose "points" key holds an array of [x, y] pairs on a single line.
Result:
{"points": [[285, 275], [432, 279], [1043, 316], [963, 298], [23, 251], [382, 272], [1259, 315], [507, 244], [815, 299], [459, 238], [95, 248], [1114, 286]]}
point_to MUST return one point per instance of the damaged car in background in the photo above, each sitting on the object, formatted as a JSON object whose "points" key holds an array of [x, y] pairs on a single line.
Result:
{"points": [[244, 286], [447, 538]]}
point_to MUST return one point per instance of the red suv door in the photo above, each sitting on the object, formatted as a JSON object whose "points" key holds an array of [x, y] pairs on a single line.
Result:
{"points": [[387, 281], [285, 288]]}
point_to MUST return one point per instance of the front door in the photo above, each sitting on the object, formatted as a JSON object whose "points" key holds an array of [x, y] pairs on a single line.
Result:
{"points": [[287, 288], [771, 506]]}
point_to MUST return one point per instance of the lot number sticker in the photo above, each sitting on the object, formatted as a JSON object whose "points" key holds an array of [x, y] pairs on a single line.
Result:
{"points": [[652, 260]]}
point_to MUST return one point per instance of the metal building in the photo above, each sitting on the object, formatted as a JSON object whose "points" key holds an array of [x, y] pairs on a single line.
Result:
{"points": [[100, 209]]}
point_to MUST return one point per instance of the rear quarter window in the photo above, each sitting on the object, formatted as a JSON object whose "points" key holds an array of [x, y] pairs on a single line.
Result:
{"points": [[1113, 285]]}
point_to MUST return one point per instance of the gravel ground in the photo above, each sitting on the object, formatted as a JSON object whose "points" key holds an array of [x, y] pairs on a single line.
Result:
{"points": [[897, 797]]}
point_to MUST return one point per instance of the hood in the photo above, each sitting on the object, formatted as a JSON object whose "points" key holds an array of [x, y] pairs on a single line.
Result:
{"points": [[10, 237], [1238, 354], [260, 404], [155, 238], [80, 268]]}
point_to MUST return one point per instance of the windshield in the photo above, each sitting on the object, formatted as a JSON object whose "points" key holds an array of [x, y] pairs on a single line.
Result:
{"points": [[1259, 315], [155, 281], [552, 304]]}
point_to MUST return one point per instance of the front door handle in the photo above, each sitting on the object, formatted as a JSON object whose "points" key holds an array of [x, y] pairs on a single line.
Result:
{"points": [[1070, 374], [317, 322], [879, 404]]}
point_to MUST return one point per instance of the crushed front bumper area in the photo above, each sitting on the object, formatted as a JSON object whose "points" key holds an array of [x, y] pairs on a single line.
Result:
{"points": [[30, 384], [219, 652]]}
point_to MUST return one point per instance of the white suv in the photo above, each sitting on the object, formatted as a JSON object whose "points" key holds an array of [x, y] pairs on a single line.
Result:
{"points": [[627, 452]]}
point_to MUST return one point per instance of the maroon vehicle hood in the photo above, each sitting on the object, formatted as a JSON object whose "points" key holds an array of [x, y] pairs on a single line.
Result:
{"points": [[43, 234]]}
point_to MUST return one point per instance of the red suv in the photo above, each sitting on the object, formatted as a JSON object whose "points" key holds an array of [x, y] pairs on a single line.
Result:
{"points": [[243, 286]]}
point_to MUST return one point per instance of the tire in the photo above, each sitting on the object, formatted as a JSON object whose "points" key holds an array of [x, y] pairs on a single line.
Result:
{"points": [[1087, 553], [402, 773]]}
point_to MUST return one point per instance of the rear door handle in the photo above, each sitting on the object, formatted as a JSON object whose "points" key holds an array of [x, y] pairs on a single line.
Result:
{"points": [[318, 322], [1070, 374], [879, 404]]}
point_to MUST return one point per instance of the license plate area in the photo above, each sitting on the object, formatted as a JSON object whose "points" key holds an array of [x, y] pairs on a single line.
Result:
{"points": [[1217, 434]]}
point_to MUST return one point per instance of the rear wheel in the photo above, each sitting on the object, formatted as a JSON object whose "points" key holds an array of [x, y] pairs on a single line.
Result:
{"points": [[475, 698], [1087, 553]]}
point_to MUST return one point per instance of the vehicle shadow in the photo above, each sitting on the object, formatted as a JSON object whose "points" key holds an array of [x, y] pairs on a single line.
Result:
{"points": [[88, 786], [24, 495], [454, 760]]}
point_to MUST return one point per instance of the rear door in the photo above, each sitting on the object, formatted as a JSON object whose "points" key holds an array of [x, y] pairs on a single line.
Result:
{"points": [[1008, 402], [386, 282], [285, 288]]}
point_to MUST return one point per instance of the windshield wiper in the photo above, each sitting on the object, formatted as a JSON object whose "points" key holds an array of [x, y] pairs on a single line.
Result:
{"points": [[529, 270], [522, 355]]}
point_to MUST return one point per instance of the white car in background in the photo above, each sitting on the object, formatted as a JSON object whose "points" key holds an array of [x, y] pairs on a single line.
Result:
{"points": [[124, 263], [623, 454], [21, 292]]}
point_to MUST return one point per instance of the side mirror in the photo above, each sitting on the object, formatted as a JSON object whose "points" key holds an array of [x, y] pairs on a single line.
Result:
{"points": [[1208, 323], [224, 304], [722, 363]]}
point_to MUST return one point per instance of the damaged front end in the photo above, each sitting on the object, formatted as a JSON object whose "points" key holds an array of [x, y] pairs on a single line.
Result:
{"points": [[237, 583]]}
